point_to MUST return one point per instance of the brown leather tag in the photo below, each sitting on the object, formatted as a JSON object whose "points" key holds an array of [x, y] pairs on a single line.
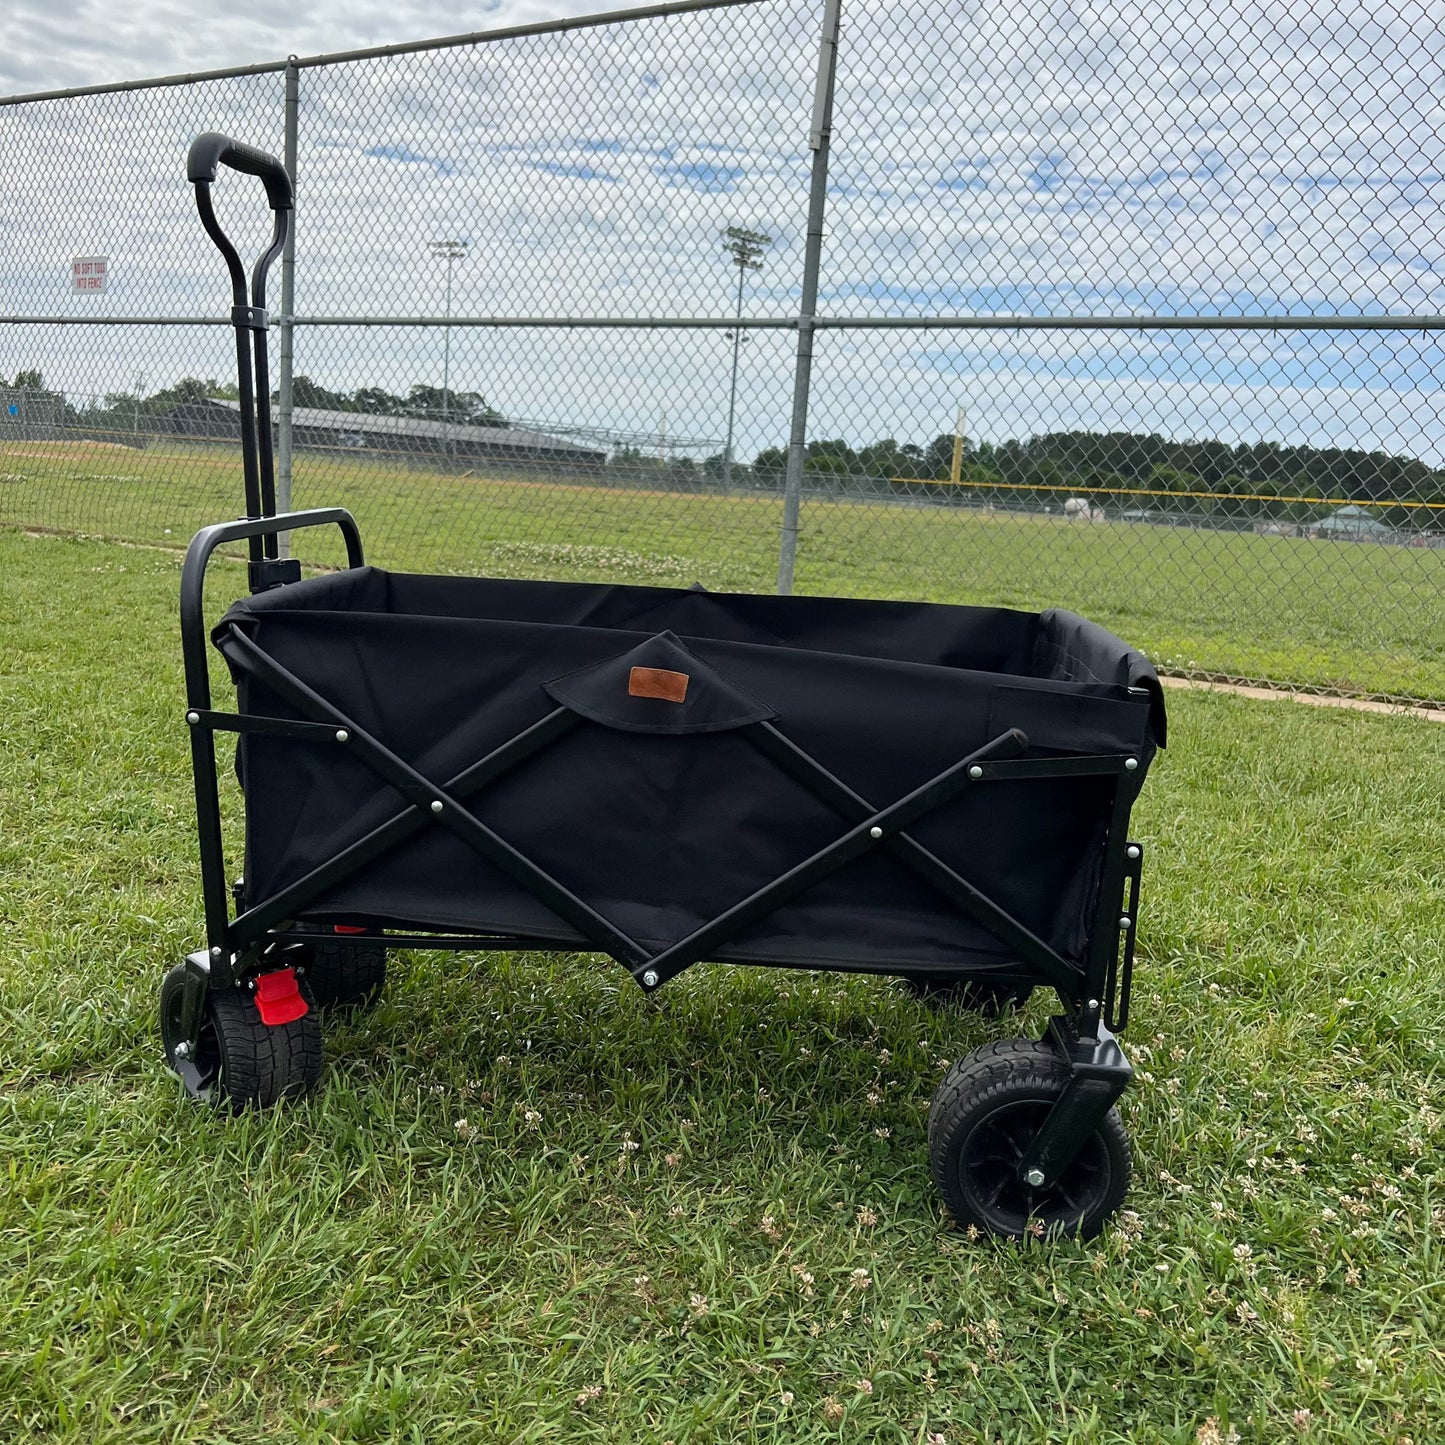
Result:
{"points": [[657, 682]]}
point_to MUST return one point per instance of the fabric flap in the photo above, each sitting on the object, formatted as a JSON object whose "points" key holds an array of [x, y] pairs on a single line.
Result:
{"points": [[658, 687]]}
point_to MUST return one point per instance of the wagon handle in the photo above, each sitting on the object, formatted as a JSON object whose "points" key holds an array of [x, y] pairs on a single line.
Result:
{"points": [[207, 154], [212, 150], [193, 575]]}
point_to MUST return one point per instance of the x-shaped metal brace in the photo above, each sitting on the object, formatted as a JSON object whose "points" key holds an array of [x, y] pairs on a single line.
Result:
{"points": [[870, 827]]}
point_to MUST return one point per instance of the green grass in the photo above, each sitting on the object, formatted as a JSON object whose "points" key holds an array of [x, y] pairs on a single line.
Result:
{"points": [[1339, 615], [456, 1239]]}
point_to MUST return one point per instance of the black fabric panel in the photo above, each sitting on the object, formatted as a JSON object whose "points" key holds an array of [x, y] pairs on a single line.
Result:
{"points": [[1070, 648], [661, 832], [988, 639]]}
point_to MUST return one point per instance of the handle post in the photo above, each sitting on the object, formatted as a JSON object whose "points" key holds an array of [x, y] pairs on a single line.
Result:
{"points": [[207, 154]]}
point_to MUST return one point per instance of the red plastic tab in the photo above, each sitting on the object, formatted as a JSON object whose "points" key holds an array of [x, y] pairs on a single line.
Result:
{"points": [[348, 928], [278, 999]]}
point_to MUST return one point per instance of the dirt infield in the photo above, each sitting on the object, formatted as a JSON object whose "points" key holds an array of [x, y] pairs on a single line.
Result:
{"points": [[1275, 694]]}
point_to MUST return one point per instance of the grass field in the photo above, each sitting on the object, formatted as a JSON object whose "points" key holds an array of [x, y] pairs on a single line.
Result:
{"points": [[1326, 614], [530, 1205]]}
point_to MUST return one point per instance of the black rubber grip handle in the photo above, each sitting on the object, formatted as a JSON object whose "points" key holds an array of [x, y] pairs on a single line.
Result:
{"points": [[212, 150]]}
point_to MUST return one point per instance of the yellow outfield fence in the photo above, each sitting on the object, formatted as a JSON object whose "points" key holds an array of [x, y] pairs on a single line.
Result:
{"points": [[1091, 491]]}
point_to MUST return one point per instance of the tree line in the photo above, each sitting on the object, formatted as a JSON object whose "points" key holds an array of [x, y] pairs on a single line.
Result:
{"points": [[1117, 471], [1148, 473], [123, 411]]}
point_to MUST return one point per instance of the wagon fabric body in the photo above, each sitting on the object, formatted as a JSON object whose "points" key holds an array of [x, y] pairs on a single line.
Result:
{"points": [[661, 813], [668, 776]]}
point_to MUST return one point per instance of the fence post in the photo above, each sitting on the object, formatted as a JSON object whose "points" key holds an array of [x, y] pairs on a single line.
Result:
{"points": [[819, 133], [286, 358]]}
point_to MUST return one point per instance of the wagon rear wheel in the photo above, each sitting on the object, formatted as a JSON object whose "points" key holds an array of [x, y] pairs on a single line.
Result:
{"points": [[983, 996], [239, 1061], [343, 974], [985, 1115]]}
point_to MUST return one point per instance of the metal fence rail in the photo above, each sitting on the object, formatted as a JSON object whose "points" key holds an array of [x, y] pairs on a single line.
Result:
{"points": [[1130, 310]]}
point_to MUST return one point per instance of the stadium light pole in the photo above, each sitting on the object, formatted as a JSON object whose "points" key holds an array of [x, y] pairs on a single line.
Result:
{"points": [[451, 251], [746, 249]]}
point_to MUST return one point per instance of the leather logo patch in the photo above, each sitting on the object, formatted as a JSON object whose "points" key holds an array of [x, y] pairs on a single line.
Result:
{"points": [[657, 682]]}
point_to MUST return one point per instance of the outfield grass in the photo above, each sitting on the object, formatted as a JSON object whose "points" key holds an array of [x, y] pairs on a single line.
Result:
{"points": [[1327, 614], [531, 1205]]}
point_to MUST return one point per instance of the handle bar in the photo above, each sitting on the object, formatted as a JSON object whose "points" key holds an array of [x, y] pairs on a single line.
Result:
{"points": [[212, 150], [207, 154], [193, 576]]}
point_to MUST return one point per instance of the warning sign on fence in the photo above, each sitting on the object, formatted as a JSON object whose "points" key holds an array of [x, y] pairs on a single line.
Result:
{"points": [[87, 273]]}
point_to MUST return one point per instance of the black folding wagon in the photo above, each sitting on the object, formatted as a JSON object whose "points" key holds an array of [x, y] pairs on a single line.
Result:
{"points": [[936, 793]]}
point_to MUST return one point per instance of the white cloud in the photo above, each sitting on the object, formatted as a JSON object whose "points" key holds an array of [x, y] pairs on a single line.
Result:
{"points": [[54, 43]]}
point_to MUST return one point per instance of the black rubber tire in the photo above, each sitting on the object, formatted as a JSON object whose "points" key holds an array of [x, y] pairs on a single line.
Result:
{"points": [[987, 1110], [977, 995], [344, 975], [255, 1065]]}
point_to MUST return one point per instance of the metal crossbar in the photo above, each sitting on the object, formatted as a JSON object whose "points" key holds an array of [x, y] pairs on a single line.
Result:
{"points": [[968, 899]]}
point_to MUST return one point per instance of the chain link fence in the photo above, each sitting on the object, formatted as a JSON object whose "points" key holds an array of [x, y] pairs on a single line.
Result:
{"points": [[1124, 308]]}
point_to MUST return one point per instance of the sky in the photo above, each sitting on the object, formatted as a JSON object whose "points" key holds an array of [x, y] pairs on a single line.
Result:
{"points": [[1256, 157], [64, 43]]}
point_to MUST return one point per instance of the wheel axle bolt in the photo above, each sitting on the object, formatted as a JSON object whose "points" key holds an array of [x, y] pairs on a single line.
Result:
{"points": [[975, 771], [875, 832], [182, 1050], [1035, 1177], [649, 979]]}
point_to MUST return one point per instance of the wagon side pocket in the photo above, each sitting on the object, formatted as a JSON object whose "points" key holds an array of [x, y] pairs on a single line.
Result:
{"points": [[1069, 722]]}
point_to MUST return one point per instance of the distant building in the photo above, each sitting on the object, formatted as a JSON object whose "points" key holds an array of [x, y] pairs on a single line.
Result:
{"points": [[29, 416], [1352, 524], [313, 428]]}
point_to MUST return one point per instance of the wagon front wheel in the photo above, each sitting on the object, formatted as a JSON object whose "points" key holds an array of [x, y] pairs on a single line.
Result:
{"points": [[985, 1115], [239, 1061]]}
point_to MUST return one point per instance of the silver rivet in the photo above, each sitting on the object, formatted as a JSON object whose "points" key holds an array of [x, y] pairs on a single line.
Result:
{"points": [[649, 979], [975, 771], [1131, 763], [436, 805], [193, 718], [1132, 850], [875, 832], [1035, 1177], [342, 735], [1093, 1004], [1125, 921], [215, 953]]}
